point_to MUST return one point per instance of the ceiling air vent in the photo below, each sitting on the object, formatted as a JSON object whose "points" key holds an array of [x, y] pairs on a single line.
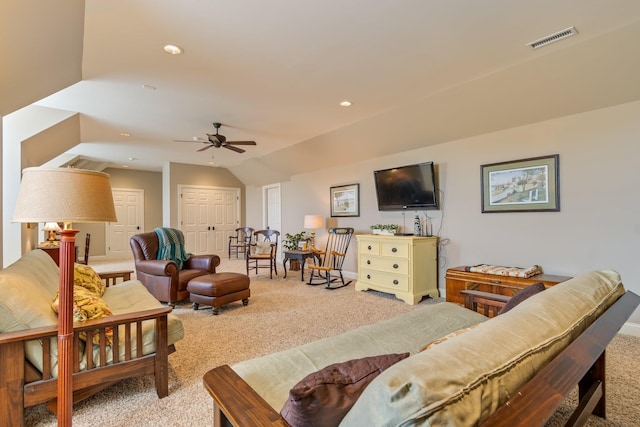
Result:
{"points": [[552, 38]]}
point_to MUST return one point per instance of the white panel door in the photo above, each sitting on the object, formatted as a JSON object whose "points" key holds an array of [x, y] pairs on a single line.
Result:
{"points": [[225, 219], [209, 215], [129, 205], [196, 211]]}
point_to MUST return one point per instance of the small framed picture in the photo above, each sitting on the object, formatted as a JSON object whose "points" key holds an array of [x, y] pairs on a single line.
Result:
{"points": [[302, 245], [345, 200], [527, 185]]}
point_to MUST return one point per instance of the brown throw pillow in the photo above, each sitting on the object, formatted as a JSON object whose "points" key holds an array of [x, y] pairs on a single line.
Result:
{"points": [[323, 398], [522, 295]]}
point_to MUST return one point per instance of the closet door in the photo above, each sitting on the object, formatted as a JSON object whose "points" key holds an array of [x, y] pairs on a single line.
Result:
{"points": [[208, 216]]}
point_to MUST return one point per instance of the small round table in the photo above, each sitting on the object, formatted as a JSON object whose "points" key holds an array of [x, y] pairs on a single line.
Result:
{"points": [[301, 256]]}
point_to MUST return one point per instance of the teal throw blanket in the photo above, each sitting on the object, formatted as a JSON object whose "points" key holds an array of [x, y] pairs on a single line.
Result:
{"points": [[171, 245]]}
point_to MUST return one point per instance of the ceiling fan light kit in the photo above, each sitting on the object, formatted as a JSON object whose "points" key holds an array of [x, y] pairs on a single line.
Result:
{"points": [[217, 140]]}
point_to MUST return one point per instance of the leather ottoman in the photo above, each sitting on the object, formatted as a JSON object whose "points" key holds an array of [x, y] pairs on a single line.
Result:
{"points": [[217, 289]]}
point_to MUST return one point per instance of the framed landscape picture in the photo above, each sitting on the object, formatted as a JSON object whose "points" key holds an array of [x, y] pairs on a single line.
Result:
{"points": [[345, 200], [527, 185]]}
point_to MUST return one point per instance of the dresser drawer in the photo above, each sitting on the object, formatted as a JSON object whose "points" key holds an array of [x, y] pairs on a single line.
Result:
{"points": [[380, 279], [394, 249], [368, 247], [389, 265]]}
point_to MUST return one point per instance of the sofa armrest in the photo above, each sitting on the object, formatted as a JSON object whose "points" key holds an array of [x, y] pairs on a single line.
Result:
{"points": [[115, 320], [203, 262], [157, 267], [235, 401], [492, 303], [111, 277], [581, 363]]}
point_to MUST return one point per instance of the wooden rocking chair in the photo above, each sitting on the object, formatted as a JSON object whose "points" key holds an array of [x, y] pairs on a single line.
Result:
{"points": [[331, 259]]}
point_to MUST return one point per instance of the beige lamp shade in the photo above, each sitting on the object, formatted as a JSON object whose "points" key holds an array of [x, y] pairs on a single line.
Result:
{"points": [[313, 221], [51, 226], [64, 194]]}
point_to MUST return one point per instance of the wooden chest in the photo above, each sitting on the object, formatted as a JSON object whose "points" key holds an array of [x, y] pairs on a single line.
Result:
{"points": [[458, 279]]}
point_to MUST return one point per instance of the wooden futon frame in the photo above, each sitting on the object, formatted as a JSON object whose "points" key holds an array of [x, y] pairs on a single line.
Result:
{"points": [[581, 363], [22, 385]]}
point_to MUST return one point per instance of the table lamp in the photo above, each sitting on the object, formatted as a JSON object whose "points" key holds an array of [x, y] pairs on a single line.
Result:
{"points": [[312, 222], [51, 227], [60, 195]]}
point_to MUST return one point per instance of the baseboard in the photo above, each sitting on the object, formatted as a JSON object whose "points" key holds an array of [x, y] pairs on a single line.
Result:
{"points": [[350, 275], [631, 328]]}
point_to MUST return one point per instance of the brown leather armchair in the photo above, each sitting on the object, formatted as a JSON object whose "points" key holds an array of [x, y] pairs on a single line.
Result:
{"points": [[162, 278]]}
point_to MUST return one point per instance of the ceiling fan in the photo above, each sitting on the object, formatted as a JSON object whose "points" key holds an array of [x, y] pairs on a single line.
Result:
{"points": [[216, 140]]}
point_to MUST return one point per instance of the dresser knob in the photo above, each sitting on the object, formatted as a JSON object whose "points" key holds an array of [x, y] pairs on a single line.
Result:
{"points": [[395, 282], [369, 261], [368, 276], [369, 247], [394, 250], [395, 265]]}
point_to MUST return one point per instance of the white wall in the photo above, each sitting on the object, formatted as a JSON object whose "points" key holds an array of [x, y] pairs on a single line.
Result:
{"points": [[598, 225]]}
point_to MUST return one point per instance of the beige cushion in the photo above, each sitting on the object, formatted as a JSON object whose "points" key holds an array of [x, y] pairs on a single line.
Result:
{"points": [[27, 288], [273, 375], [449, 336], [263, 248], [464, 380]]}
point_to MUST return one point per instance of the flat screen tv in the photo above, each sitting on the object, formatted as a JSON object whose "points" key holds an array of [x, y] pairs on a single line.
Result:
{"points": [[406, 187]]}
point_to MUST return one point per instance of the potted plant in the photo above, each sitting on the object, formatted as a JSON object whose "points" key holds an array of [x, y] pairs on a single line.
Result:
{"points": [[293, 242], [388, 229]]}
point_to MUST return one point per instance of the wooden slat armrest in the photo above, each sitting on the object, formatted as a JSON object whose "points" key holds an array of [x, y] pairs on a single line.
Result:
{"points": [[119, 319], [537, 400], [28, 334], [486, 295], [111, 277], [492, 303], [239, 403], [48, 331]]}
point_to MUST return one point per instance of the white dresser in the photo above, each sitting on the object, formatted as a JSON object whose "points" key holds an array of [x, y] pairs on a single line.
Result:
{"points": [[406, 266]]}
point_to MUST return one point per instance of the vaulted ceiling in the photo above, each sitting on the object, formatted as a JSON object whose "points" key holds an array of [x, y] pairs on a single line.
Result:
{"points": [[417, 72]]}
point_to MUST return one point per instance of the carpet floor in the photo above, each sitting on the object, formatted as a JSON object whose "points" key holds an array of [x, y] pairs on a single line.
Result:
{"points": [[284, 313]]}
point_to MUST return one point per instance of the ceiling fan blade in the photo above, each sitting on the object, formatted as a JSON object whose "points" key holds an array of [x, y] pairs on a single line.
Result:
{"points": [[232, 148], [242, 142], [199, 140], [205, 148]]}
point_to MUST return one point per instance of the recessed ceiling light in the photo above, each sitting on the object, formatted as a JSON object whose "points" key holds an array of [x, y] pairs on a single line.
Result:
{"points": [[345, 103], [125, 166], [124, 134], [172, 49]]}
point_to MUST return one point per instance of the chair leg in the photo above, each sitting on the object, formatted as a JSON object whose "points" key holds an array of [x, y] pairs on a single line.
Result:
{"points": [[336, 287]]}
